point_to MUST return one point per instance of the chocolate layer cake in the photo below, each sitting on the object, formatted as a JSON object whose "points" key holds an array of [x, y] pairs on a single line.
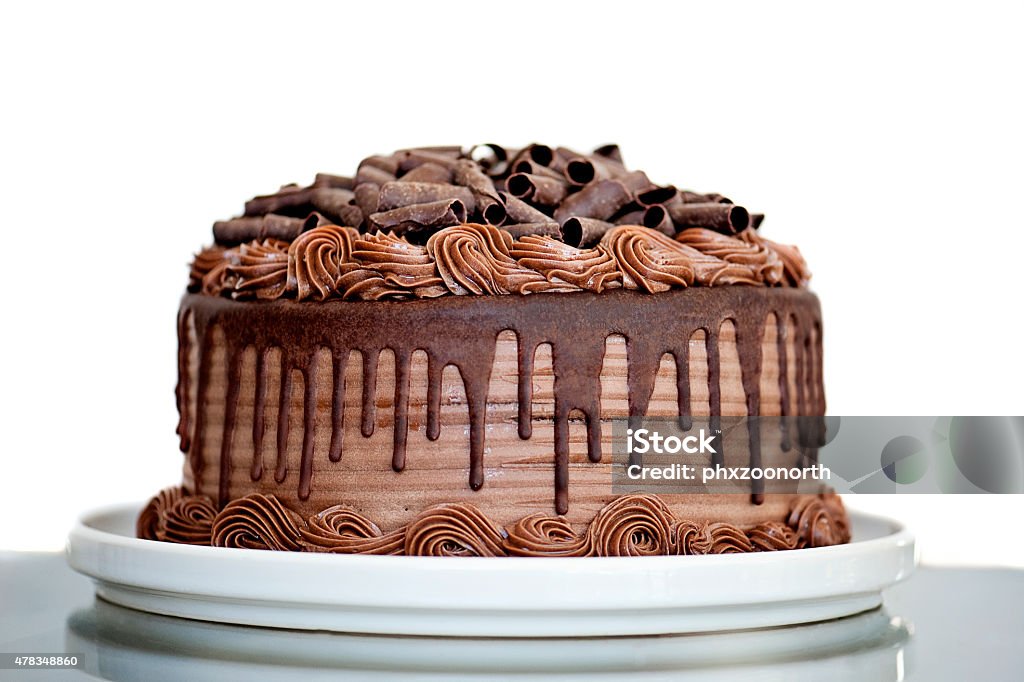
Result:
{"points": [[426, 358]]}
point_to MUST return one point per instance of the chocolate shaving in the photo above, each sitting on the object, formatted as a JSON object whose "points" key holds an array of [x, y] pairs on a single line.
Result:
{"points": [[428, 172], [657, 195], [724, 218], [538, 153], [492, 158], [541, 190], [698, 198], [420, 219], [335, 181], [519, 211], [600, 200], [544, 229], [413, 158], [388, 164], [610, 151], [368, 198], [635, 217], [398, 194], [372, 174], [289, 199], [755, 220], [657, 218], [534, 168], [238, 230], [584, 232]]}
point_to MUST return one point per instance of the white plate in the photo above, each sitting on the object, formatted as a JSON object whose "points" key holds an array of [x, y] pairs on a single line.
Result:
{"points": [[490, 597]]}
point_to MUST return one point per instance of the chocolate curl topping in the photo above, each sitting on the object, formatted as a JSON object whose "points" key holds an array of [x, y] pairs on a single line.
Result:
{"points": [[657, 218], [335, 181], [420, 218], [288, 200], [492, 157], [698, 198], [388, 164], [412, 158], [544, 229], [428, 172], [635, 217], [238, 230], [331, 201], [724, 218], [538, 153], [600, 200], [521, 212], [755, 220], [398, 194], [609, 151], [584, 170], [468, 174], [373, 174], [534, 168], [584, 232], [368, 197], [657, 195], [540, 190]]}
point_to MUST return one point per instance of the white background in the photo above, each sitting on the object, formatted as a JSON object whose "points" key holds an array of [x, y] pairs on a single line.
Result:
{"points": [[883, 138]]}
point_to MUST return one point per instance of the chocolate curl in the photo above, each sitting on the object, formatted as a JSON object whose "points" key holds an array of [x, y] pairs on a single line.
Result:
{"points": [[545, 229], [534, 168], [388, 164], [409, 159], [493, 158], [584, 232], [521, 212], [609, 151], [331, 200], [420, 217], [239, 230], [657, 195], [600, 200], [755, 220], [428, 172], [373, 174], [636, 182], [398, 194], [314, 220], [334, 181], [290, 199], [583, 170], [724, 218], [538, 153], [488, 202], [368, 197], [657, 218], [632, 218], [698, 198], [541, 190]]}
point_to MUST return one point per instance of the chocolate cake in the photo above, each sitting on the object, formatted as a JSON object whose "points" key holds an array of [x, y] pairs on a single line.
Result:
{"points": [[427, 357]]}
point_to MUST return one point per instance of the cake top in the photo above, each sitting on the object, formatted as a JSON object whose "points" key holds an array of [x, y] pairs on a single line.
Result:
{"points": [[436, 221]]}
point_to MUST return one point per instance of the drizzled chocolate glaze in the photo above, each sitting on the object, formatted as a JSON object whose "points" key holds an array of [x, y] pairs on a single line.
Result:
{"points": [[461, 331]]}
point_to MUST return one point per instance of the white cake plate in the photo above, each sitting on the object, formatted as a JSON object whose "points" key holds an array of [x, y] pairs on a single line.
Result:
{"points": [[490, 597]]}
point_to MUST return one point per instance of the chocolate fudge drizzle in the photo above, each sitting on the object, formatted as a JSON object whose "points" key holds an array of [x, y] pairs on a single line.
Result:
{"points": [[462, 331]]}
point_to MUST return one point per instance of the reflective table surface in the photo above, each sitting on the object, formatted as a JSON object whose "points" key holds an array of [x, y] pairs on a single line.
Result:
{"points": [[941, 624]]}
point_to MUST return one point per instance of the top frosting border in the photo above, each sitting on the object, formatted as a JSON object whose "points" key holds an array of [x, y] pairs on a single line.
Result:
{"points": [[424, 223]]}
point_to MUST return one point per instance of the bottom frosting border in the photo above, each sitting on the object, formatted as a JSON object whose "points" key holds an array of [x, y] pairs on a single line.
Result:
{"points": [[629, 525]]}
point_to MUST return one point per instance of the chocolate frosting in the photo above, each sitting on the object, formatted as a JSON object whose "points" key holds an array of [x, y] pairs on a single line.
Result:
{"points": [[763, 264], [591, 269], [629, 525], [476, 259], [342, 530], [258, 522], [648, 260], [632, 525], [260, 269], [149, 519], [454, 530], [316, 258], [189, 521]]}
